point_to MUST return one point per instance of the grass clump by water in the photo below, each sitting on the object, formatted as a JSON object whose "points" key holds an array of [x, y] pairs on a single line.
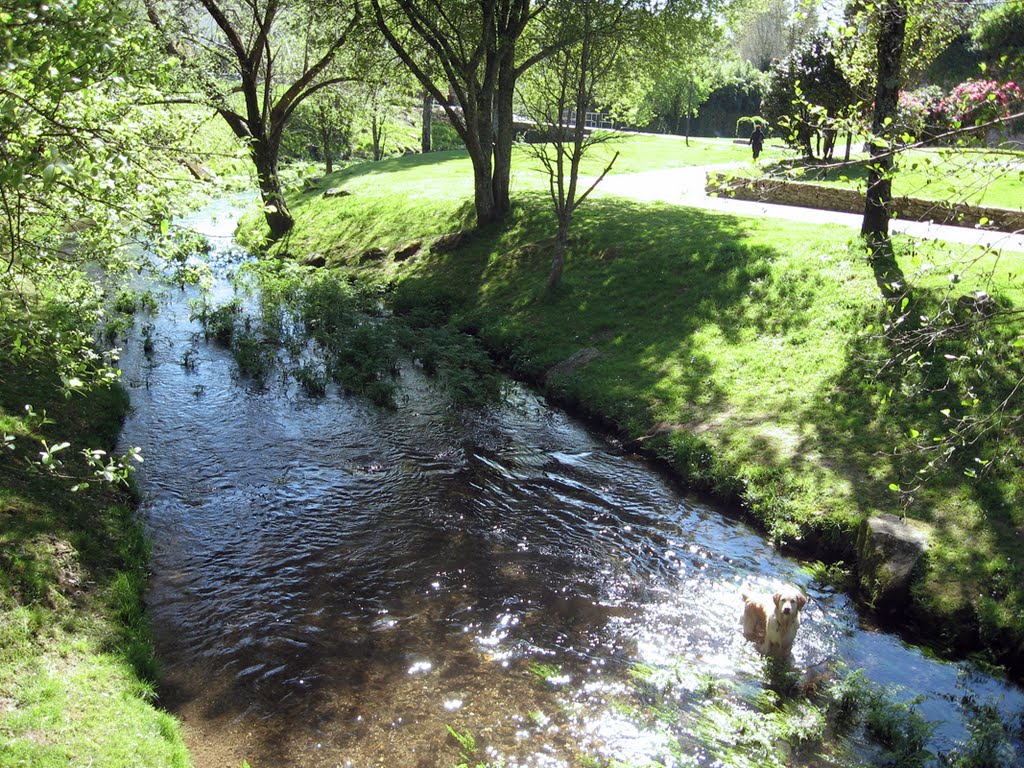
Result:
{"points": [[779, 718], [77, 670], [751, 356], [319, 331]]}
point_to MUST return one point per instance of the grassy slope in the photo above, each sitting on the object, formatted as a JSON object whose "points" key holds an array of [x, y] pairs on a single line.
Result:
{"points": [[733, 348], [75, 652]]}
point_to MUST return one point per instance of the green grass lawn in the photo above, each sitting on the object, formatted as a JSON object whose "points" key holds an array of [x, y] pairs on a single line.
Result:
{"points": [[647, 152], [743, 352], [980, 177], [77, 671]]}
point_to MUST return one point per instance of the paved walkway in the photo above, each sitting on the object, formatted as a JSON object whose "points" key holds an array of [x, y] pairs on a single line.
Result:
{"points": [[685, 186]]}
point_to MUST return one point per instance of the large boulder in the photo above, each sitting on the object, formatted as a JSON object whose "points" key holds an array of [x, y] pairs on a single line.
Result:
{"points": [[336, 192], [888, 552]]}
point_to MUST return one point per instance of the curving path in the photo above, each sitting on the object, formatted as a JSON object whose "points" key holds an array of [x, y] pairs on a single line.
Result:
{"points": [[685, 186]]}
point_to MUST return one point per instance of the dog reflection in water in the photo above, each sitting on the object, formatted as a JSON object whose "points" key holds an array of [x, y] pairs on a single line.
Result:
{"points": [[771, 621]]}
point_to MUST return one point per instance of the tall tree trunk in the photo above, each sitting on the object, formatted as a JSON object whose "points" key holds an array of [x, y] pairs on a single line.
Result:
{"points": [[849, 145], [558, 257], [504, 135], [265, 157], [889, 57], [878, 198], [428, 116], [689, 110]]}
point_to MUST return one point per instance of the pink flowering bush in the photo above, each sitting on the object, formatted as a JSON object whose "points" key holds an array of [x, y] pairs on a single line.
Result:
{"points": [[921, 113], [981, 101]]}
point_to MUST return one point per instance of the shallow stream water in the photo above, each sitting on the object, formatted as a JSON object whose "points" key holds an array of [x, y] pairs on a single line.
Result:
{"points": [[337, 584]]}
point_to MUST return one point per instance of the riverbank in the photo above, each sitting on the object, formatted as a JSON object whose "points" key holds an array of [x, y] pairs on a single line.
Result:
{"points": [[77, 670], [746, 354]]}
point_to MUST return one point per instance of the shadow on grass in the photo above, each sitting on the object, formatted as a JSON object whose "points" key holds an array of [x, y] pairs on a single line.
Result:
{"points": [[648, 284], [939, 423]]}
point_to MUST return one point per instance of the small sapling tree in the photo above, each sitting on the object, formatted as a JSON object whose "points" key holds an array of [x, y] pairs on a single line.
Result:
{"points": [[557, 95]]}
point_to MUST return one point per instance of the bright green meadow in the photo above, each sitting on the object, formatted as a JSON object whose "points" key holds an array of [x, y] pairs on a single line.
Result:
{"points": [[748, 355]]}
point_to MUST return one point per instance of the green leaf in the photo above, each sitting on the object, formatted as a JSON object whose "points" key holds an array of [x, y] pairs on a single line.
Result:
{"points": [[894, 487]]}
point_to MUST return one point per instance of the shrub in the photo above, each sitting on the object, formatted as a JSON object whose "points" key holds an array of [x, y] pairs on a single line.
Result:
{"points": [[921, 113], [976, 102], [745, 125]]}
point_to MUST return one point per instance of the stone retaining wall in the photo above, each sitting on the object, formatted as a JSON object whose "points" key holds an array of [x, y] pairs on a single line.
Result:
{"points": [[851, 201]]}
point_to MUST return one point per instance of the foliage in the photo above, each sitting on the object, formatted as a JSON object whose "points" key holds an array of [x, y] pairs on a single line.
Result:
{"points": [[930, 27], [978, 102], [921, 113], [738, 90], [290, 55], [480, 50], [999, 36], [769, 31], [745, 125], [323, 125], [809, 95], [683, 55], [89, 165], [334, 331], [568, 83]]}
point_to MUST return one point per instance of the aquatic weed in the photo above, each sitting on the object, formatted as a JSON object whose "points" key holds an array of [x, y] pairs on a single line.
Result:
{"points": [[468, 749], [988, 744], [312, 379], [901, 730], [218, 321]]}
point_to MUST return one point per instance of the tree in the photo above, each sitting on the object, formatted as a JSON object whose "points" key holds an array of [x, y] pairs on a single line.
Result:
{"points": [[808, 94], [770, 31], [482, 49], [892, 29], [686, 68], [478, 48], [557, 95], [273, 53], [999, 37], [89, 164], [327, 117]]}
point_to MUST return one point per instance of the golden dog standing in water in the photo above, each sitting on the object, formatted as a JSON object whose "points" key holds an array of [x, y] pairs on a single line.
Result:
{"points": [[771, 621]]}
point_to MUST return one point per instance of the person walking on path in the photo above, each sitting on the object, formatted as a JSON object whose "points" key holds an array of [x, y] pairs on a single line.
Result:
{"points": [[757, 140]]}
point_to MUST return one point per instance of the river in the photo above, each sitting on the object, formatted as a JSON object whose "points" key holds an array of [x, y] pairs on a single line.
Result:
{"points": [[339, 584]]}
